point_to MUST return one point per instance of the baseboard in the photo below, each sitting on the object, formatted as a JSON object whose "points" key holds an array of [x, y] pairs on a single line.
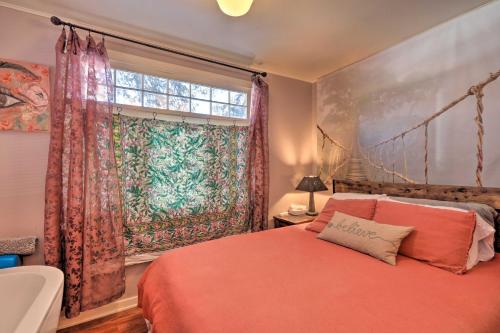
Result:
{"points": [[103, 311]]}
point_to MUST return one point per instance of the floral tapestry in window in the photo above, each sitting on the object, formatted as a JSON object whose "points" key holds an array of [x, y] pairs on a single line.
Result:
{"points": [[182, 183]]}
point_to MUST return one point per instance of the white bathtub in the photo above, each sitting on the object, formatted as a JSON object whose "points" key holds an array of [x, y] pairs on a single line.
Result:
{"points": [[30, 299]]}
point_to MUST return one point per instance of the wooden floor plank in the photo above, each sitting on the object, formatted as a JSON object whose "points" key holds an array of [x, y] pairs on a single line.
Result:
{"points": [[129, 321]]}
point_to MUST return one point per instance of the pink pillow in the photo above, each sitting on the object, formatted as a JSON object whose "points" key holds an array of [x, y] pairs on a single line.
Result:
{"points": [[441, 238], [483, 239], [362, 208]]}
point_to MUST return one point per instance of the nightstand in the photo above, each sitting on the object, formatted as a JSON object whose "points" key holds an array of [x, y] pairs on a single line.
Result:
{"points": [[287, 219]]}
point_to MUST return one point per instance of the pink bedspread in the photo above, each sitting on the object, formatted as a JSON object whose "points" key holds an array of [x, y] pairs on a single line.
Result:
{"points": [[286, 280]]}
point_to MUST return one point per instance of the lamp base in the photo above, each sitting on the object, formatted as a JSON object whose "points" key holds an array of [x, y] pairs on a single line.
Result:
{"points": [[312, 209]]}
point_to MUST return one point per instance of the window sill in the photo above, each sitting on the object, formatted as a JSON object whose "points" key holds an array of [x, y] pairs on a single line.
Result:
{"points": [[141, 258]]}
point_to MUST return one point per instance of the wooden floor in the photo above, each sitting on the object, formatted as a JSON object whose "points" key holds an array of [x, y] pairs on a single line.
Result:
{"points": [[130, 321]]}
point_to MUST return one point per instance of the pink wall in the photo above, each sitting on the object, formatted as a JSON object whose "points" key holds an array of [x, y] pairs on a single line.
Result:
{"points": [[23, 156], [290, 140]]}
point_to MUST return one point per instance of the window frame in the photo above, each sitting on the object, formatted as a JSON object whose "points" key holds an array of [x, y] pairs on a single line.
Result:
{"points": [[181, 114]]}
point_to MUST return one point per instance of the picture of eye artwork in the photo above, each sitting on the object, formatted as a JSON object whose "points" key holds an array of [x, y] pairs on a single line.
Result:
{"points": [[24, 96]]}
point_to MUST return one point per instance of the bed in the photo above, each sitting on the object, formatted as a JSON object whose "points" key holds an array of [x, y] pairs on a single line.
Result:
{"points": [[286, 280]]}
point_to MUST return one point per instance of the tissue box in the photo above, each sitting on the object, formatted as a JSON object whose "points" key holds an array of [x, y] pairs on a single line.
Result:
{"points": [[9, 260]]}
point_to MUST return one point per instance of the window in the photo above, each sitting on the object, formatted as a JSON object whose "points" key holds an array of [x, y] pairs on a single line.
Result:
{"points": [[155, 92], [181, 182]]}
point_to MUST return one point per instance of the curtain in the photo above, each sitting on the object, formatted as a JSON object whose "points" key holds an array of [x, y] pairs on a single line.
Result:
{"points": [[83, 221], [182, 183], [258, 155]]}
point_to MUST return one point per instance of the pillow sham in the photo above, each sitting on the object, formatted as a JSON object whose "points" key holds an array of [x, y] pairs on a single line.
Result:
{"points": [[378, 240], [483, 240], [359, 208], [489, 214], [441, 238]]}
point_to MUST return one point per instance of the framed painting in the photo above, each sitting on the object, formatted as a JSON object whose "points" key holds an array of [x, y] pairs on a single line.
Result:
{"points": [[24, 96]]}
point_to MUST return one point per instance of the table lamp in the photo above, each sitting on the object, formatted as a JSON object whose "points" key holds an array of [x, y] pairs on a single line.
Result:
{"points": [[311, 184]]}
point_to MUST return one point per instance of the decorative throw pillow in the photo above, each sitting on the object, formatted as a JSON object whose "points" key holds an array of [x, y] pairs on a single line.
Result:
{"points": [[378, 240], [363, 208], [441, 238]]}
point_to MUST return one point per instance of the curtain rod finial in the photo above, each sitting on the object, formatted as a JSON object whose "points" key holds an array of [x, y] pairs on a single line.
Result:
{"points": [[256, 74], [56, 20]]}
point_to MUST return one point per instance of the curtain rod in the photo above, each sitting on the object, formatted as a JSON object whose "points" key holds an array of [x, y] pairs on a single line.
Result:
{"points": [[57, 21]]}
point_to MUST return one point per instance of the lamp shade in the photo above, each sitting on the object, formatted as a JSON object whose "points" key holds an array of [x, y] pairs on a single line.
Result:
{"points": [[311, 184]]}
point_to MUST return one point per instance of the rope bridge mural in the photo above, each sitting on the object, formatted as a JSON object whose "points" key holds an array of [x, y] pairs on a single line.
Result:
{"points": [[387, 160], [338, 155]]}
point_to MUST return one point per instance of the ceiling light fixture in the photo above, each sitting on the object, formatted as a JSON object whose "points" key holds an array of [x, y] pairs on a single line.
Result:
{"points": [[235, 7]]}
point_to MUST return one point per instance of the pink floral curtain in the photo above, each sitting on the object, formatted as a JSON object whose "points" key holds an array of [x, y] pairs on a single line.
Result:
{"points": [[83, 218], [258, 155]]}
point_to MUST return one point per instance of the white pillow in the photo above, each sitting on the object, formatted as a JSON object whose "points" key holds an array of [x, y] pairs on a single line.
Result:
{"points": [[364, 196], [483, 239]]}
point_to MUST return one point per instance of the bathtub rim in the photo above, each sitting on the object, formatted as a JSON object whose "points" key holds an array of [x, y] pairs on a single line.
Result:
{"points": [[38, 311]]}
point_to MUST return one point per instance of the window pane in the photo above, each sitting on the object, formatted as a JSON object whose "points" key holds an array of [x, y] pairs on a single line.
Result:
{"points": [[238, 98], [155, 83], [178, 88], [178, 103], [200, 106], [155, 101], [238, 111], [202, 92], [220, 95], [220, 109], [128, 79], [129, 97]]}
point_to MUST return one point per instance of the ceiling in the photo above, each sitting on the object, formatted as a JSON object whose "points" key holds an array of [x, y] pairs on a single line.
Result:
{"points": [[302, 39]]}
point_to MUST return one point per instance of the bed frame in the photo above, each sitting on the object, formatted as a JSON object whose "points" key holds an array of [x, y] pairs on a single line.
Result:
{"points": [[485, 195]]}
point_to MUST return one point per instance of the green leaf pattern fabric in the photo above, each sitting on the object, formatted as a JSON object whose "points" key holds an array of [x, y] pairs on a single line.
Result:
{"points": [[182, 183]]}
